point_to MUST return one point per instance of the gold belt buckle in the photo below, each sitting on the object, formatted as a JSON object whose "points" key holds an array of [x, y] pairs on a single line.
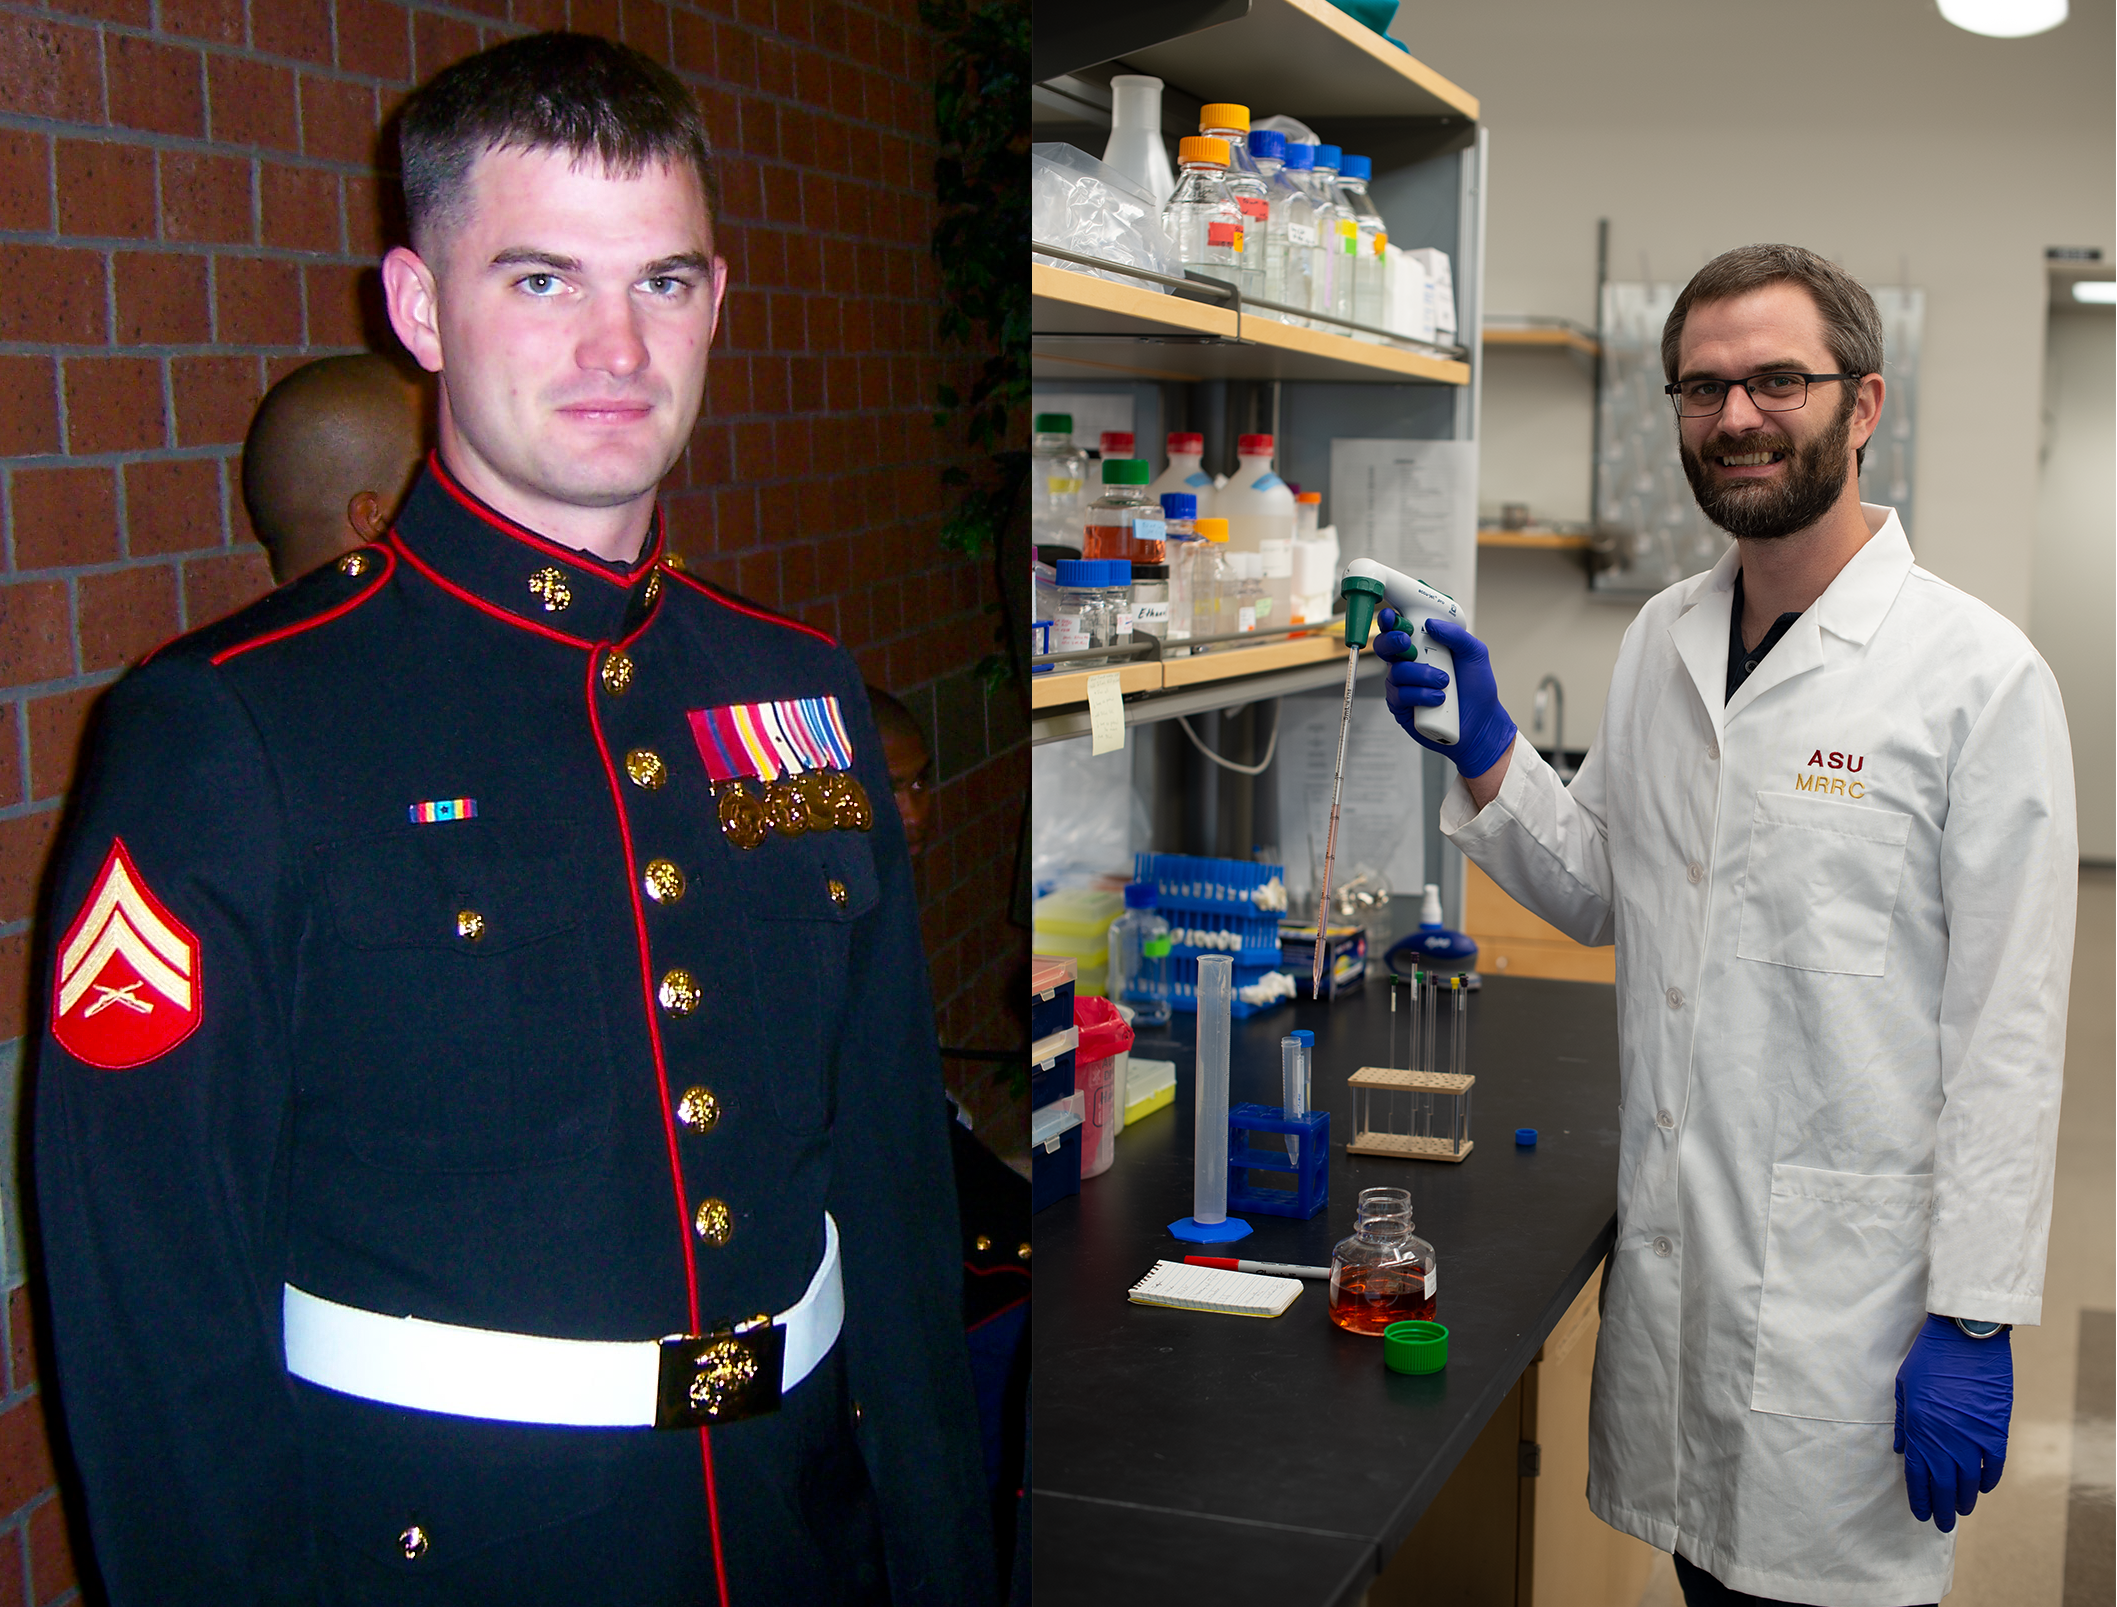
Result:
{"points": [[721, 1377]]}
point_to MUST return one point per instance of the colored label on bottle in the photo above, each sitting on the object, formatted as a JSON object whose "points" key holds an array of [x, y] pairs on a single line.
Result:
{"points": [[1224, 234], [1381, 243], [1149, 530], [1301, 234], [1254, 206], [1266, 481], [1059, 486], [1245, 619], [1264, 610], [1196, 478]]}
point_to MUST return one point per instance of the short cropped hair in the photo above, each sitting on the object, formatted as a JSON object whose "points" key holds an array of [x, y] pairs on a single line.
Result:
{"points": [[592, 98], [1852, 328]]}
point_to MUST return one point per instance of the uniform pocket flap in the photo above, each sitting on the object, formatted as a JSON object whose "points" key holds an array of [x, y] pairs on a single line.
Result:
{"points": [[1844, 819], [820, 876], [474, 887], [1885, 1192]]}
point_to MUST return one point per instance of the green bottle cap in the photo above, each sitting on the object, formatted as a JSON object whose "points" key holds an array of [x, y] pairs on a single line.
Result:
{"points": [[1415, 1347], [1127, 471], [1054, 424]]}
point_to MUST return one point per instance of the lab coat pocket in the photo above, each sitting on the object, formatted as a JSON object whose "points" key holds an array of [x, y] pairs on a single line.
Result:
{"points": [[1820, 888], [1844, 1292]]}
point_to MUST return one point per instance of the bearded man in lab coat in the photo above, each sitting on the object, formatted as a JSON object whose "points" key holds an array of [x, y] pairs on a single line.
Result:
{"points": [[1828, 822]]}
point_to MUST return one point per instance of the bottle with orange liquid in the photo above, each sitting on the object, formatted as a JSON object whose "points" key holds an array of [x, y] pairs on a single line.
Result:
{"points": [[1384, 1273]]}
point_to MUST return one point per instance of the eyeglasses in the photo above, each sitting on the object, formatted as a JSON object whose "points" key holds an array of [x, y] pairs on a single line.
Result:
{"points": [[1771, 393]]}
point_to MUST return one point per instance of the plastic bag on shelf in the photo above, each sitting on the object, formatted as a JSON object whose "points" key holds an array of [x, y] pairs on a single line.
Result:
{"points": [[1081, 204]]}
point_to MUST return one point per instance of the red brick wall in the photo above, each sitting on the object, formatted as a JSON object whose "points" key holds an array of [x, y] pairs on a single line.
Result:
{"points": [[189, 208]]}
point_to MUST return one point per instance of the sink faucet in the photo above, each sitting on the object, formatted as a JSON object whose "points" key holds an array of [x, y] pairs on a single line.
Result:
{"points": [[1551, 695]]}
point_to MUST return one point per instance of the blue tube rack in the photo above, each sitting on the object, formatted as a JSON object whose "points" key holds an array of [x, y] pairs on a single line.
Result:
{"points": [[1215, 895], [1311, 1192]]}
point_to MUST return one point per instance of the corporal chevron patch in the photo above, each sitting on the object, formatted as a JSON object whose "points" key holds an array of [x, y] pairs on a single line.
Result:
{"points": [[128, 985]]}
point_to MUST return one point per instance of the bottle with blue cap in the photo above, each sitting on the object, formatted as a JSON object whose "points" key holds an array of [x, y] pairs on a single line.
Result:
{"points": [[1138, 977], [1300, 170], [1081, 619], [1117, 598], [1290, 226], [1370, 242], [1341, 235]]}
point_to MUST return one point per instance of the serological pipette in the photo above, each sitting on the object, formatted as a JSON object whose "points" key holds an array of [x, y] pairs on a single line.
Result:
{"points": [[1362, 594]]}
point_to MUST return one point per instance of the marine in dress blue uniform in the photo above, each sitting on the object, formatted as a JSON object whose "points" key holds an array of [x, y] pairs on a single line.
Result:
{"points": [[469, 999]]}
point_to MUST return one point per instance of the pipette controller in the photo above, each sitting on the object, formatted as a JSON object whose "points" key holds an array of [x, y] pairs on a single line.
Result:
{"points": [[1417, 605], [1366, 587]]}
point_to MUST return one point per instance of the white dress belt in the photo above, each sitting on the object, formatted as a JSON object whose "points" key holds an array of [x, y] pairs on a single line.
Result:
{"points": [[524, 1378]]}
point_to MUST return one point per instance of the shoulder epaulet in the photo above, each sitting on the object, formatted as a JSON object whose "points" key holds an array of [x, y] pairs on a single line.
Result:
{"points": [[743, 605], [326, 593]]}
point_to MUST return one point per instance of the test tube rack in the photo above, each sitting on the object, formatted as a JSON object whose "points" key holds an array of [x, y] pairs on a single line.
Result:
{"points": [[1215, 897], [1424, 1110], [1310, 1168]]}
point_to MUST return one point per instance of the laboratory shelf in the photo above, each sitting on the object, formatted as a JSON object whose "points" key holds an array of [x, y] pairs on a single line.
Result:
{"points": [[1305, 58], [1252, 683], [1057, 688], [1533, 540], [1551, 337], [1082, 327]]}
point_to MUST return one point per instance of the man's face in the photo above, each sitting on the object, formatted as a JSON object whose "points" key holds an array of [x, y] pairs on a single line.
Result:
{"points": [[572, 314], [908, 768], [1762, 475]]}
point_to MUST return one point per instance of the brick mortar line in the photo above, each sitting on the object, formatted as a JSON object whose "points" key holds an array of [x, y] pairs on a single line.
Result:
{"points": [[119, 460], [13, 812]]}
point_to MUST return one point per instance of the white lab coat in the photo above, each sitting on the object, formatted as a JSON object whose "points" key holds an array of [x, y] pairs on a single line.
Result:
{"points": [[1843, 909]]}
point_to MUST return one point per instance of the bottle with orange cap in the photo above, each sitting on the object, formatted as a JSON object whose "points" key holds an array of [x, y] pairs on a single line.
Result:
{"points": [[1253, 197], [1202, 217]]}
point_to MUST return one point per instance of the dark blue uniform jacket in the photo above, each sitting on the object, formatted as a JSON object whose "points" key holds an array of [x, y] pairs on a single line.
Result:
{"points": [[494, 1131]]}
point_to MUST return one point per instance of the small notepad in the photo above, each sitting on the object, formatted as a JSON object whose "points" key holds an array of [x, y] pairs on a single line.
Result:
{"points": [[1236, 1294]]}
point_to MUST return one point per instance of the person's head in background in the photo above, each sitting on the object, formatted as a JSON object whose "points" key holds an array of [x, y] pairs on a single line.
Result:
{"points": [[330, 453], [904, 751]]}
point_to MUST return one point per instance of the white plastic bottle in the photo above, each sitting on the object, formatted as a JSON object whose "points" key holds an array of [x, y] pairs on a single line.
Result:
{"points": [[1225, 121], [1290, 230], [1058, 470], [1371, 237], [1186, 471], [1202, 217], [1276, 556], [1136, 148], [1340, 231], [1256, 503]]}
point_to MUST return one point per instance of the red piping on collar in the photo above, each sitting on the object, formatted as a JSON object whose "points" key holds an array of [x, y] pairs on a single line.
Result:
{"points": [[482, 605], [704, 590], [661, 1078], [568, 555], [389, 566]]}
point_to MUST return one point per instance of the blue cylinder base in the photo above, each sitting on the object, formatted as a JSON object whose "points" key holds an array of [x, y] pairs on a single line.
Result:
{"points": [[1196, 1232]]}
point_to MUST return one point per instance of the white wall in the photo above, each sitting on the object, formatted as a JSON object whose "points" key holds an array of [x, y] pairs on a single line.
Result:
{"points": [[2076, 557], [1907, 147]]}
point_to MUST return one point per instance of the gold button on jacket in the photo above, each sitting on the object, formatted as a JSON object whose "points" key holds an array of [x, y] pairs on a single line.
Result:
{"points": [[714, 1223]]}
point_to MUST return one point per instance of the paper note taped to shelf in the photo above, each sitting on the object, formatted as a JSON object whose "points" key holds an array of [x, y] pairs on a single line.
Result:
{"points": [[1106, 713], [1411, 505]]}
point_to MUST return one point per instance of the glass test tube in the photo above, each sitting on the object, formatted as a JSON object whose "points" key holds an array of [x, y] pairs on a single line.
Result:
{"points": [[1459, 1060], [1209, 1161], [1431, 1016]]}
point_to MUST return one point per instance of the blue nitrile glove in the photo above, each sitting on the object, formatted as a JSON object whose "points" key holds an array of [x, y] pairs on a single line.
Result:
{"points": [[1954, 1395], [1484, 733]]}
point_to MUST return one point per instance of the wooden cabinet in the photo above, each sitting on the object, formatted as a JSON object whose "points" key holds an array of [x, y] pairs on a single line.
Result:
{"points": [[1513, 942], [1512, 1528]]}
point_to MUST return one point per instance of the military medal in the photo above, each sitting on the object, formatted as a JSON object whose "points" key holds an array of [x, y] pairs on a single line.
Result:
{"points": [[785, 809], [800, 753], [742, 819], [854, 812]]}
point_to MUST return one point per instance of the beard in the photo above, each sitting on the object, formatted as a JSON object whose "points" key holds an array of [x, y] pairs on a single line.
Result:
{"points": [[1755, 510]]}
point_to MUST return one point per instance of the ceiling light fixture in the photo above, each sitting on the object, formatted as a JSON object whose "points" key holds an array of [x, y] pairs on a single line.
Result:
{"points": [[2005, 19], [2099, 292]]}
